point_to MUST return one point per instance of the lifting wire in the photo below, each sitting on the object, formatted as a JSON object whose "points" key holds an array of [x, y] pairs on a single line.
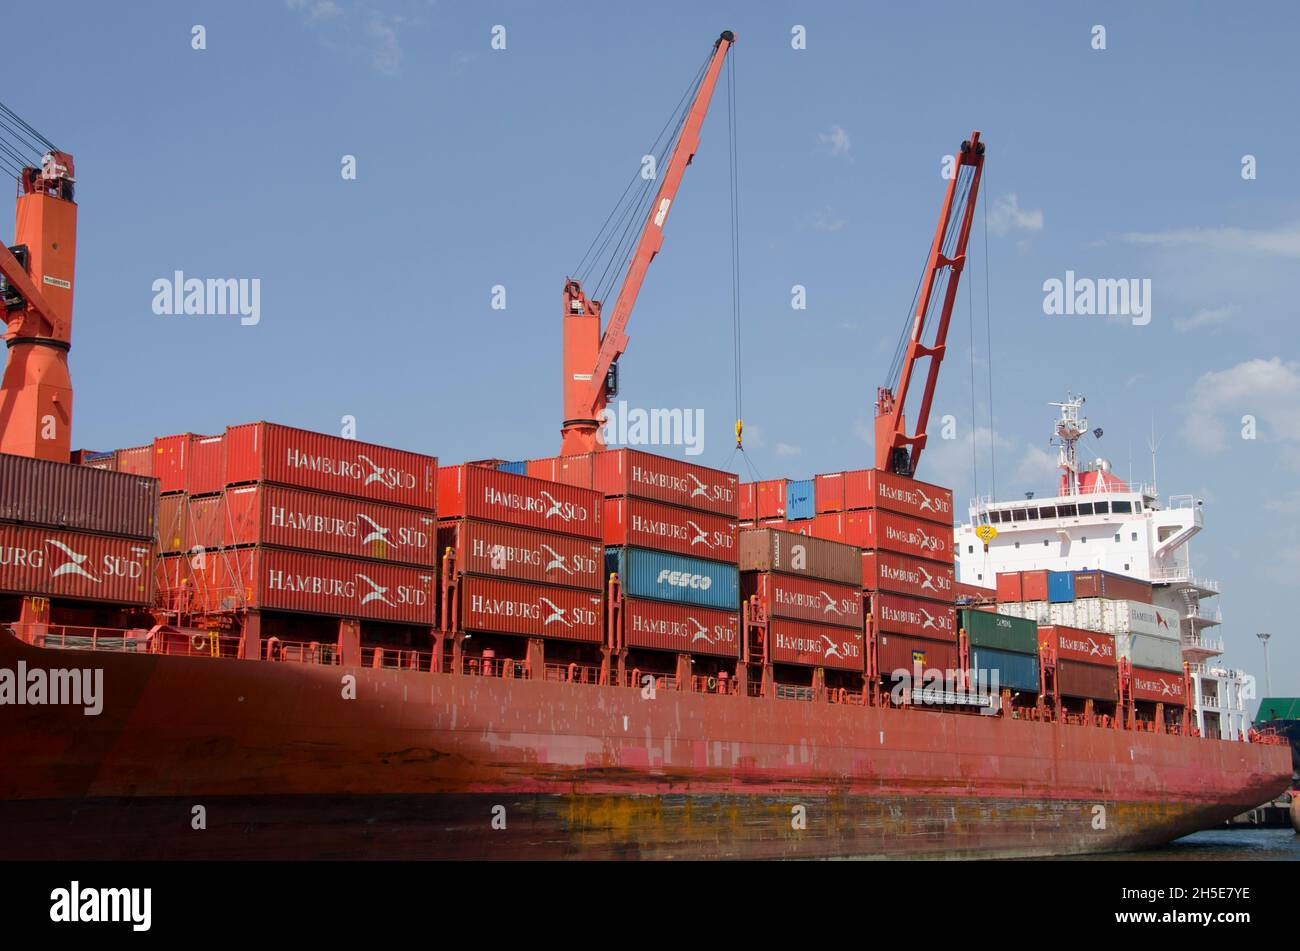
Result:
{"points": [[974, 458], [988, 329], [734, 166]]}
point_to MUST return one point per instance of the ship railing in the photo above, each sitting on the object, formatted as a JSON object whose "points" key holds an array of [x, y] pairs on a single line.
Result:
{"points": [[792, 692], [300, 652], [194, 644], [842, 695], [572, 673], [74, 637], [395, 658], [725, 686]]}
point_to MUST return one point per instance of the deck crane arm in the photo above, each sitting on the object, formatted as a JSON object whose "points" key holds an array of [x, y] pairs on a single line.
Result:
{"points": [[589, 355], [896, 449]]}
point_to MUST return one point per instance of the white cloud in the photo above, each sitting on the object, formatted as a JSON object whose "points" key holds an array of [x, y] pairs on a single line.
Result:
{"points": [[785, 449], [949, 461], [1036, 467], [367, 31], [385, 53], [836, 142], [1268, 390], [1284, 240], [1006, 215], [1206, 317], [825, 219]]}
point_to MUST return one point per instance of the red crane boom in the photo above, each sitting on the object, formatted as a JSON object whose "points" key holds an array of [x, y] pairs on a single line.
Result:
{"points": [[589, 355], [896, 450]]}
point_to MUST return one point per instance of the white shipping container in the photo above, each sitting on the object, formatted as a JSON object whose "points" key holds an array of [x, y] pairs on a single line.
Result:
{"points": [[1084, 615], [1036, 611], [1135, 617], [1155, 653], [1011, 608]]}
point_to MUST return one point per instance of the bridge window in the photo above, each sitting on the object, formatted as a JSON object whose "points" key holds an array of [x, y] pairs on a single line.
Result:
{"points": [[1066, 511], [1101, 508], [1118, 507], [1085, 508], [1117, 536], [1048, 511], [1019, 515]]}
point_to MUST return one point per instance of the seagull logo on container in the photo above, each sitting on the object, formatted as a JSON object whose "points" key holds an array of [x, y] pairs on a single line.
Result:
{"points": [[557, 508], [831, 607], [376, 473], [831, 649], [377, 592], [930, 619], [377, 532], [701, 632], [557, 560], [927, 504], [73, 566], [1162, 621], [926, 541], [1094, 648], [557, 613], [928, 581], [701, 489], [701, 536]]}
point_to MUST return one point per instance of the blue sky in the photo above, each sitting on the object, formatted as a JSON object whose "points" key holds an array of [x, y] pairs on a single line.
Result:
{"points": [[479, 167]]}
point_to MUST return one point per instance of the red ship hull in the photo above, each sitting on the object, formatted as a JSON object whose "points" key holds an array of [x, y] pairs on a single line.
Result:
{"points": [[424, 765]]}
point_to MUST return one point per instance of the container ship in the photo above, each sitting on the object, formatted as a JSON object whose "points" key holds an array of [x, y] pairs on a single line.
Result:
{"points": [[272, 642]]}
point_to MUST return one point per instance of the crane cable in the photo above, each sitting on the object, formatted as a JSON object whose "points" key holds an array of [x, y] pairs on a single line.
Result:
{"points": [[734, 173], [21, 146], [988, 330]]}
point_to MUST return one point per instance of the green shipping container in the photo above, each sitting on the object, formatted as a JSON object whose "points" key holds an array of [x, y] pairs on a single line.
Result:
{"points": [[1000, 632]]}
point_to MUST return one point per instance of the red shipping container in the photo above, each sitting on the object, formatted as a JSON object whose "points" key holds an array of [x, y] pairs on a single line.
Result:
{"points": [[137, 460], [205, 470], [170, 457], [890, 531], [171, 523], [267, 452], [748, 502], [204, 523], [548, 469], [1089, 647], [801, 526], [975, 592], [816, 645], [895, 614], [524, 554], [804, 599], [828, 492], [770, 495], [1105, 584], [872, 488], [1086, 681], [496, 496], [286, 517], [660, 527], [530, 610], [772, 523], [62, 564], [1033, 585], [1158, 686], [681, 628], [647, 476], [1009, 587], [903, 574], [309, 583], [830, 526], [902, 652]]}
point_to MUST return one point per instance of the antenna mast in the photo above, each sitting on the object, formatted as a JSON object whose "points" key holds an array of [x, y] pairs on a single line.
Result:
{"points": [[1069, 430]]}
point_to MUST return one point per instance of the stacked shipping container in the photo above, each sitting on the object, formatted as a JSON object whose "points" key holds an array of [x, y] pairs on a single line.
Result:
{"points": [[1003, 646]]}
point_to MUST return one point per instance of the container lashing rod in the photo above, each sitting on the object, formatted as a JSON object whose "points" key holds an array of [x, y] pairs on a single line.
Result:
{"points": [[897, 450]]}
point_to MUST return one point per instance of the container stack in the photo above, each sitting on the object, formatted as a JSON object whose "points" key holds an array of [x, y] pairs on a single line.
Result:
{"points": [[809, 591], [295, 521], [669, 530], [76, 533], [1002, 646], [527, 554], [1086, 662]]}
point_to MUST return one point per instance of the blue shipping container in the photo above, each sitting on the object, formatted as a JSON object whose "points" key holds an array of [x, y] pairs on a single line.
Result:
{"points": [[678, 578], [799, 499], [1014, 671], [1060, 586], [515, 468]]}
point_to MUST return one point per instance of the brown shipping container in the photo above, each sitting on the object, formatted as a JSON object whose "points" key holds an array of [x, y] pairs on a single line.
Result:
{"points": [[496, 496], [1009, 587], [1105, 584], [78, 498], [681, 628], [205, 470], [872, 488], [896, 614], [1086, 681], [792, 553], [654, 525], [816, 645], [1158, 686], [204, 519], [804, 599], [1071, 643], [828, 492], [267, 452], [312, 521], [524, 554], [903, 574], [875, 528], [647, 476], [171, 523], [1033, 585], [770, 496], [137, 460], [901, 651], [531, 610], [975, 592], [62, 564], [310, 583]]}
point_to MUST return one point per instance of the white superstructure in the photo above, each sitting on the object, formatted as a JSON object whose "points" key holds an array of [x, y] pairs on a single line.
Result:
{"points": [[1099, 521]]}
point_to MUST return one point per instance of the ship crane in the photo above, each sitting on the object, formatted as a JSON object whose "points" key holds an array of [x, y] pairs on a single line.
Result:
{"points": [[36, 278], [897, 450], [590, 357]]}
